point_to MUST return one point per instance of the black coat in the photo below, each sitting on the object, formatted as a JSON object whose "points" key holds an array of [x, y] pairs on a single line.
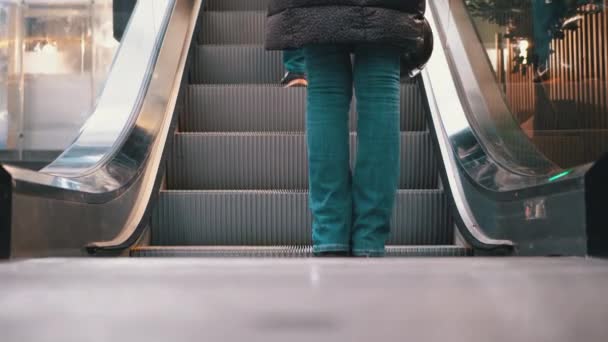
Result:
{"points": [[292, 24]]}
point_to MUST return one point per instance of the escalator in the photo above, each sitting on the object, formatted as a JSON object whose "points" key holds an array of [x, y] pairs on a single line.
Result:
{"points": [[208, 158], [192, 150], [237, 177]]}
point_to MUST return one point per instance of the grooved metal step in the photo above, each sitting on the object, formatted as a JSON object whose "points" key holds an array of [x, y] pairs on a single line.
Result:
{"points": [[237, 5], [236, 64], [276, 161], [281, 218], [255, 108], [232, 27], [287, 251], [234, 92]]}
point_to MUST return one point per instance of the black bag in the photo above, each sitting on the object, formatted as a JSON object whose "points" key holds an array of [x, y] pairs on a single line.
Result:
{"points": [[413, 62]]}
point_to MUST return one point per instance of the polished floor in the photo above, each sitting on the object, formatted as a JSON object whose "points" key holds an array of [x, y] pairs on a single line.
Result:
{"points": [[466, 299]]}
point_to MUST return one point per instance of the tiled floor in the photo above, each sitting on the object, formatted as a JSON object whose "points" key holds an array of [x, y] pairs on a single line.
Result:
{"points": [[460, 299]]}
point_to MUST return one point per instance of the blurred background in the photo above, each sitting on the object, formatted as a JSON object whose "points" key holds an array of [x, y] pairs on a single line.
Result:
{"points": [[550, 58], [54, 58]]}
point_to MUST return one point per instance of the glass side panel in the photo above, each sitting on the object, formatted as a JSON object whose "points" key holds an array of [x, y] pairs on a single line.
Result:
{"points": [[54, 60], [550, 59]]}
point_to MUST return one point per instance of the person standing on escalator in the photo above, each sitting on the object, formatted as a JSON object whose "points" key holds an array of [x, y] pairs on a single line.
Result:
{"points": [[351, 211]]}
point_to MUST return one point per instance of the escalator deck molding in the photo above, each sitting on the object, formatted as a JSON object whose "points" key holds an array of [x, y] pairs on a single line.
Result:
{"points": [[287, 251]]}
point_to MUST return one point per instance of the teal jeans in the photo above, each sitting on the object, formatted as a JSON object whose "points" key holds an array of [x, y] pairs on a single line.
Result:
{"points": [[545, 16], [352, 210], [294, 61]]}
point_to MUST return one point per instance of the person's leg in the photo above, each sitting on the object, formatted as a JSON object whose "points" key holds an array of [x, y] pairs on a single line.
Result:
{"points": [[329, 95], [376, 174], [294, 61], [546, 17], [295, 69], [541, 23]]}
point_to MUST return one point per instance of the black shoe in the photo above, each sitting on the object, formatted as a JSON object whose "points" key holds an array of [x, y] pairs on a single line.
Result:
{"points": [[339, 254], [292, 79]]}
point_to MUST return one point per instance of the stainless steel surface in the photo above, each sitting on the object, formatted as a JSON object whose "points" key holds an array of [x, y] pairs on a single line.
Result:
{"points": [[448, 117], [99, 161], [109, 197], [488, 114], [119, 104], [495, 201], [543, 79], [466, 299], [476, 118]]}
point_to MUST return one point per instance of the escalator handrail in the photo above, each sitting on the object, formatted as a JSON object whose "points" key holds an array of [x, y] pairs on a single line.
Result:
{"points": [[98, 164], [535, 213], [104, 192], [477, 100], [442, 96]]}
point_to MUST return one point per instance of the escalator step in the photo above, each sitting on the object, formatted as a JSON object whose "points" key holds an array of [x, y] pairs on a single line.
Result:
{"points": [[236, 64], [212, 161], [237, 5], [287, 251], [249, 108], [221, 28], [282, 218], [242, 136]]}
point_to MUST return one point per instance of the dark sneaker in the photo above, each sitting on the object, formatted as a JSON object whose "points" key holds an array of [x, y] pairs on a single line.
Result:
{"points": [[339, 254], [294, 80]]}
